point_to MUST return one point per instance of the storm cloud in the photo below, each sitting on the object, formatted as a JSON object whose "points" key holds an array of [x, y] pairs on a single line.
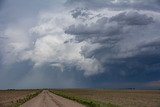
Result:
{"points": [[88, 43]]}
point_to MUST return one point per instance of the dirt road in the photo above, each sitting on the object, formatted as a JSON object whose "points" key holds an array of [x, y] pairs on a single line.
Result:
{"points": [[47, 99]]}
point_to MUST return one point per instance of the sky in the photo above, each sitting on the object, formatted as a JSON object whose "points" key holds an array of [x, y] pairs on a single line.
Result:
{"points": [[80, 44]]}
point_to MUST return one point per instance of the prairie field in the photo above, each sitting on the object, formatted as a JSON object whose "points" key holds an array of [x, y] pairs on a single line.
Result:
{"points": [[7, 97], [117, 98], [88, 97]]}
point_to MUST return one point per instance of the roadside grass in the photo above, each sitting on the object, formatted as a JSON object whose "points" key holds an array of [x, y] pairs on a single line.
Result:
{"points": [[21, 101], [84, 101]]}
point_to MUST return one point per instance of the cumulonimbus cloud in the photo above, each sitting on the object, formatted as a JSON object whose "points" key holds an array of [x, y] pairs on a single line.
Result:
{"points": [[113, 37], [50, 44]]}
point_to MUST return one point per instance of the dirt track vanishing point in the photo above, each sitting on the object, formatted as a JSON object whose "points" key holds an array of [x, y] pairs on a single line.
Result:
{"points": [[47, 99]]}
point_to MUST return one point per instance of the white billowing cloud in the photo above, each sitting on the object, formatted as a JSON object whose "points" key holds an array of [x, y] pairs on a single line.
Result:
{"points": [[15, 44], [48, 43], [91, 66]]}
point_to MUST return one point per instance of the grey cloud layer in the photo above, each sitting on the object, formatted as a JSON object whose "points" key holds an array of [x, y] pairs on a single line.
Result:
{"points": [[116, 4], [91, 43], [129, 38]]}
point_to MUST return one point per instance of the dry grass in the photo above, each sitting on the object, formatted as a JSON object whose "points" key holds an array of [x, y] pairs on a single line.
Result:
{"points": [[124, 98], [9, 96]]}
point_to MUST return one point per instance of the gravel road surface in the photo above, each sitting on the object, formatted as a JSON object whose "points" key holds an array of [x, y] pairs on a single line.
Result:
{"points": [[48, 99]]}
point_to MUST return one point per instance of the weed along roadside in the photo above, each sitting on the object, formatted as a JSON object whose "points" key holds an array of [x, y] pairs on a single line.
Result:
{"points": [[21, 101], [84, 101]]}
